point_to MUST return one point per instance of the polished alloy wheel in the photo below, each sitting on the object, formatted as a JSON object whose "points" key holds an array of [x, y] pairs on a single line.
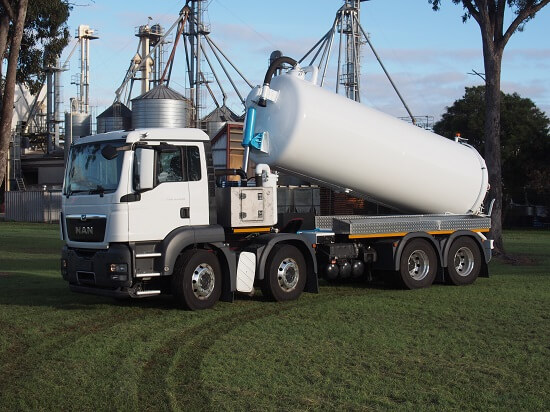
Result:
{"points": [[203, 281], [288, 274], [464, 261], [418, 264]]}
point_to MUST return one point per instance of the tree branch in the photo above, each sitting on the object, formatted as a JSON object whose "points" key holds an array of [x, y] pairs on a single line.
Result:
{"points": [[522, 15], [499, 17], [474, 12], [9, 10], [484, 21]]}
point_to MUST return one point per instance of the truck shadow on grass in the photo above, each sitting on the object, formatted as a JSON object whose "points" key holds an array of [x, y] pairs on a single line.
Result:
{"points": [[30, 289]]}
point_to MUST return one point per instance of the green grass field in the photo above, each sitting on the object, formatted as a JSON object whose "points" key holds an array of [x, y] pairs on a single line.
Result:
{"points": [[351, 347]]}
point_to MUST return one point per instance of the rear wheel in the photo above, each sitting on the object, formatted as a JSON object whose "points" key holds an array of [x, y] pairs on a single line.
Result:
{"points": [[196, 283], [464, 261], [418, 264], [285, 275]]}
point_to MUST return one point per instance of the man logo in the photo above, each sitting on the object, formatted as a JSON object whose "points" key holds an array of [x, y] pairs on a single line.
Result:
{"points": [[84, 230]]}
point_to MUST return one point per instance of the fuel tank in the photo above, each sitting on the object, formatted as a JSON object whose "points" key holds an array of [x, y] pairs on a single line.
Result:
{"points": [[313, 133]]}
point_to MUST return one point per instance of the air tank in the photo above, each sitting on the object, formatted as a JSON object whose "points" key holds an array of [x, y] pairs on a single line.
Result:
{"points": [[116, 117], [160, 107], [315, 133]]}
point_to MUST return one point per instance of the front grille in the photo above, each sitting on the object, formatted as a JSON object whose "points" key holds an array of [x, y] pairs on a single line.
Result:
{"points": [[86, 228]]}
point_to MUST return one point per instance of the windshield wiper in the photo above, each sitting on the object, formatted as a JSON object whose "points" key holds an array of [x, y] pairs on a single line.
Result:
{"points": [[70, 192], [98, 190]]}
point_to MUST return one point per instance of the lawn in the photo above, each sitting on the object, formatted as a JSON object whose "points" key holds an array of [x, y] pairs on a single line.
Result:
{"points": [[351, 347]]}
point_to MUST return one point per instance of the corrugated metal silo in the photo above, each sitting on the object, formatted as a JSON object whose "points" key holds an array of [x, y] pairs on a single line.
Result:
{"points": [[116, 117], [160, 107], [81, 124], [217, 119]]}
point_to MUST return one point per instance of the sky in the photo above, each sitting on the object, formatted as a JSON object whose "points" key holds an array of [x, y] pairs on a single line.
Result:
{"points": [[430, 55]]}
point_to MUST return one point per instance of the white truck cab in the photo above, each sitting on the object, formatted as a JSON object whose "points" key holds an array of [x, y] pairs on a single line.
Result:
{"points": [[139, 205], [114, 197]]}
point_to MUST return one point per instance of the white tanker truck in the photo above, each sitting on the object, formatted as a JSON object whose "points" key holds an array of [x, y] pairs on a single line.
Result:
{"points": [[142, 214]]}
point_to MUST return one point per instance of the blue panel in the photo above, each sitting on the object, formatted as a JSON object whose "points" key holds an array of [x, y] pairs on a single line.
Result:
{"points": [[249, 124]]}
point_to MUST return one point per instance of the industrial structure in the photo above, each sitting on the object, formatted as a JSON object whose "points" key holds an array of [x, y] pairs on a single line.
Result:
{"points": [[207, 67], [351, 35], [36, 156], [78, 120]]}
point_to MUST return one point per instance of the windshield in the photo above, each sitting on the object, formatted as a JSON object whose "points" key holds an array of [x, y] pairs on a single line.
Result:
{"points": [[89, 171]]}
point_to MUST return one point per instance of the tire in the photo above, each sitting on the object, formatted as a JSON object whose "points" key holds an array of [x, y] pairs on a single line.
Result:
{"points": [[418, 264], [197, 280], [463, 262], [285, 275]]}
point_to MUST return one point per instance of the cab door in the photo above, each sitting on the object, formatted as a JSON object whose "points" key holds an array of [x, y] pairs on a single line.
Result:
{"points": [[197, 175], [154, 213]]}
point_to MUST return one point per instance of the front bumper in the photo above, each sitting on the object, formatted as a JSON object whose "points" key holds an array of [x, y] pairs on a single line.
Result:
{"points": [[88, 271]]}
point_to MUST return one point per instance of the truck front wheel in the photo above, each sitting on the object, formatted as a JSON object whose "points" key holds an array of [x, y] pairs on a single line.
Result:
{"points": [[418, 264], [196, 282], [285, 274], [464, 261]]}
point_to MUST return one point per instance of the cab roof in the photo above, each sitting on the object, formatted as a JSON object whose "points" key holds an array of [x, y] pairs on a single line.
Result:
{"points": [[148, 134]]}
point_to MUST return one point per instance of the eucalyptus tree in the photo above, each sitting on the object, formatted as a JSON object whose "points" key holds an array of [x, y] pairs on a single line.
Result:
{"points": [[27, 28], [489, 14]]}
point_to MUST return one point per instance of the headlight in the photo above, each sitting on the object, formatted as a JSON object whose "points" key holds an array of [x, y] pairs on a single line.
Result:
{"points": [[119, 268], [119, 271], [64, 266]]}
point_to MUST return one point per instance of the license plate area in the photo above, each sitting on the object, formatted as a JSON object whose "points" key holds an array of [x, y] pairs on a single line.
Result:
{"points": [[85, 278]]}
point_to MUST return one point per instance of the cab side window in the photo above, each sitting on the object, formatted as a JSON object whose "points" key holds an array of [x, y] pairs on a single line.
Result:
{"points": [[169, 166], [178, 164], [193, 163]]}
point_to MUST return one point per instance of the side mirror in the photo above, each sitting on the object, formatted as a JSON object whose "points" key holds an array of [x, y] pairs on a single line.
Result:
{"points": [[144, 168], [109, 152]]}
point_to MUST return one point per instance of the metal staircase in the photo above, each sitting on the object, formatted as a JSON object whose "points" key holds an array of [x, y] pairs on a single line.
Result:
{"points": [[20, 183]]}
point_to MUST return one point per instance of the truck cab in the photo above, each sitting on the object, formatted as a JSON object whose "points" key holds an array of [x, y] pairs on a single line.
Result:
{"points": [[141, 207]]}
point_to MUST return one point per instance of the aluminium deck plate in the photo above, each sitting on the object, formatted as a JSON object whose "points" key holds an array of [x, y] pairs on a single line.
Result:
{"points": [[367, 225]]}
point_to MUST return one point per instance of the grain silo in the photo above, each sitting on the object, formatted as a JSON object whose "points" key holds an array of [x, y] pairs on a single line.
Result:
{"points": [[81, 124], [217, 119], [160, 107], [116, 117]]}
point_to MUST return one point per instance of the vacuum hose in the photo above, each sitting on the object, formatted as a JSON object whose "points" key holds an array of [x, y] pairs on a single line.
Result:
{"points": [[231, 172], [275, 64]]}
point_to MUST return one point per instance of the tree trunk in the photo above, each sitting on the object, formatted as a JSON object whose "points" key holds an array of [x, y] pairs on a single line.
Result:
{"points": [[493, 60], [6, 113], [4, 26]]}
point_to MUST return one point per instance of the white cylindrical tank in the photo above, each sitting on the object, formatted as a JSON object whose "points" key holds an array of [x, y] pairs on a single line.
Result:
{"points": [[329, 138]]}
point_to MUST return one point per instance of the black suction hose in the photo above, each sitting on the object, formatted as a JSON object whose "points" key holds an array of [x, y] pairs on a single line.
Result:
{"points": [[275, 64], [231, 172]]}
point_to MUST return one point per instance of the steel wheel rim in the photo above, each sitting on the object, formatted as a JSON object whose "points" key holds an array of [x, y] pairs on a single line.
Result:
{"points": [[203, 281], [288, 274], [464, 261], [418, 265]]}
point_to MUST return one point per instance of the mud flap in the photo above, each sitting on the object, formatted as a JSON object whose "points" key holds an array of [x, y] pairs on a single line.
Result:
{"points": [[246, 271]]}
